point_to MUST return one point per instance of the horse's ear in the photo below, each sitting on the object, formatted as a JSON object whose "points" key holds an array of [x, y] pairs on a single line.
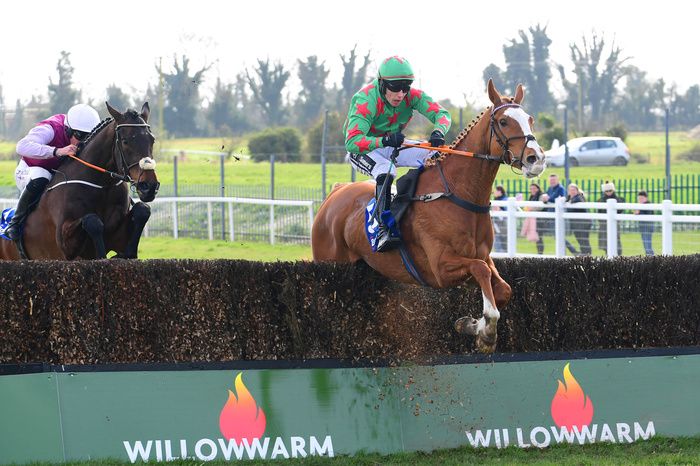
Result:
{"points": [[494, 96], [519, 94], [145, 111], [112, 111]]}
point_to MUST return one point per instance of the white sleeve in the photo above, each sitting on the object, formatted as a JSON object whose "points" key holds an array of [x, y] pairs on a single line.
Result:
{"points": [[35, 143]]}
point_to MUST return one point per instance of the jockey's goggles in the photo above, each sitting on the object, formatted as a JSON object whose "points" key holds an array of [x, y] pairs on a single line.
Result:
{"points": [[79, 135], [400, 85]]}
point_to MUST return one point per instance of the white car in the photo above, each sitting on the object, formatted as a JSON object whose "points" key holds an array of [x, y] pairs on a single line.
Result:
{"points": [[594, 150]]}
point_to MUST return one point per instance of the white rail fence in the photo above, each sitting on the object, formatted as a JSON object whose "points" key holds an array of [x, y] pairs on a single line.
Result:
{"points": [[676, 226]]}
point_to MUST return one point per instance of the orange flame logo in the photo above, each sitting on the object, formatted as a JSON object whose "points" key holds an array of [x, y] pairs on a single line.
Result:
{"points": [[241, 418], [570, 406]]}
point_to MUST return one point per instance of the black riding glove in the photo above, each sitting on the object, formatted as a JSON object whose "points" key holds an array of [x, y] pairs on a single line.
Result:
{"points": [[436, 139], [393, 140]]}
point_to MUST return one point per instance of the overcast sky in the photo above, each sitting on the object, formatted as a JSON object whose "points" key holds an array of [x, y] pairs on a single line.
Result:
{"points": [[448, 42]]}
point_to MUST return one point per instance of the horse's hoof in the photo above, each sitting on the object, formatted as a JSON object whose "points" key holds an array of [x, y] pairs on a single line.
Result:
{"points": [[466, 326], [486, 345]]}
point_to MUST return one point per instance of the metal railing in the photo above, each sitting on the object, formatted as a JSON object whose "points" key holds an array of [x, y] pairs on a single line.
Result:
{"points": [[243, 218]]}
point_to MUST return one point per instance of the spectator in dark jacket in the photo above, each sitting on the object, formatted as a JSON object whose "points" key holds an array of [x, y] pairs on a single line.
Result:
{"points": [[645, 228], [554, 191], [608, 189], [581, 227]]}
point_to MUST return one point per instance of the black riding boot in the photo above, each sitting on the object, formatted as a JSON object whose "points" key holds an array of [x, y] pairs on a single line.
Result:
{"points": [[385, 241], [27, 201]]}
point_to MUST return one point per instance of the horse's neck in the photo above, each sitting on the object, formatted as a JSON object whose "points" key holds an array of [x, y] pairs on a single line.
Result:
{"points": [[99, 151], [470, 178]]}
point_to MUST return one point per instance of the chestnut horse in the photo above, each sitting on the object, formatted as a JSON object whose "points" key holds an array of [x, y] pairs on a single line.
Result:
{"points": [[448, 241], [86, 208]]}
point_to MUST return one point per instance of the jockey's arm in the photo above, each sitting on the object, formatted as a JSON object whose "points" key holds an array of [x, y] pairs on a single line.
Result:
{"points": [[35, 143], [359, 121], [433, 111]]}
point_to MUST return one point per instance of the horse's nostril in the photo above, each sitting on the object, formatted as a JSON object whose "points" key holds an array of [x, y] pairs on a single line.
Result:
{"points": [[531, 159]]}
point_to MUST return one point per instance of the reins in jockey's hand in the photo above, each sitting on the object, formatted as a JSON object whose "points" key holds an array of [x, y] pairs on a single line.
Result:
{"points": [[448, 150]]}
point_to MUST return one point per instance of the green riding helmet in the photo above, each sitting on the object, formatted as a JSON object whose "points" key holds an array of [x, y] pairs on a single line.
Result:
{"points": [[396, 68]]}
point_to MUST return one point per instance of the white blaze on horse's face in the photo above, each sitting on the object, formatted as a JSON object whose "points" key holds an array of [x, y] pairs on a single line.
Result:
{"points": [[530, 170]]}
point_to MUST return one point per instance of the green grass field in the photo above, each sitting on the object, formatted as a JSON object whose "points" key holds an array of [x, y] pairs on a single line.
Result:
{"points": [[188, 248], [658, 450]]}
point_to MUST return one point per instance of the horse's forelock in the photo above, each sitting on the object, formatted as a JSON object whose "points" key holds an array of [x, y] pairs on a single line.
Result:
{"points": [[132, 114]]}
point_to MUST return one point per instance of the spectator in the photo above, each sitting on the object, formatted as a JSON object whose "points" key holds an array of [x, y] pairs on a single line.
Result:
{"points": [[499, 224], [608, 189], [554, 191], [645, 228], [533, 226], [581, 227]]}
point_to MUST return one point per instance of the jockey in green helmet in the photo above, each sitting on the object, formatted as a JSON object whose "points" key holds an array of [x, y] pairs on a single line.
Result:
{"points": [[378, 114]]}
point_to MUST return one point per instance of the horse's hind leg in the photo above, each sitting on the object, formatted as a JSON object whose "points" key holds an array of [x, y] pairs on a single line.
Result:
{"points": [[94, 227]]}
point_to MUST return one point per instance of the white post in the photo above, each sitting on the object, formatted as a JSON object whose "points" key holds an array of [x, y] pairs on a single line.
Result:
{"points": [[512, 228], [559, 227], [666, 227], [272, 224], [232, 235], [210, 226], [175, 228], [311, 218], [612, 227]]}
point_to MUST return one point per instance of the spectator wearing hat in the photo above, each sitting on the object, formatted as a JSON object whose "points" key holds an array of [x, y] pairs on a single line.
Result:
{"points": [[645, 228], [608, 189]]}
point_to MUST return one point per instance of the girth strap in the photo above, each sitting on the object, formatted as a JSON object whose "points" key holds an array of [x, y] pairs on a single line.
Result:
{"points": [[410, 266]]}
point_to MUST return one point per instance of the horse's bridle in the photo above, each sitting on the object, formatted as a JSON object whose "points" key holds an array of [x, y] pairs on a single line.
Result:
{"points": [[507, 157], [118, 142]]}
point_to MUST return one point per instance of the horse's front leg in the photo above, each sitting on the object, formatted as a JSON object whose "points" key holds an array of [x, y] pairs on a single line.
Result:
{"points": [[128, 231], [95, 228], [501, 290], [451, 270]]}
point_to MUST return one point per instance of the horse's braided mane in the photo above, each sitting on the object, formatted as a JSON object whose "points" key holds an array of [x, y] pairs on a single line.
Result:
{"points": [[100, 126], [462, 134]]}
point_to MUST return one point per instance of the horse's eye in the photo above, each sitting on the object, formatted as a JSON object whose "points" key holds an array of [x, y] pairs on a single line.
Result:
{"points": [[503, 122]]}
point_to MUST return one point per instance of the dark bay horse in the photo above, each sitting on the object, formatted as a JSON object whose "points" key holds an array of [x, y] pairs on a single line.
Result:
{"points": [[448, 243], [86, 209]]}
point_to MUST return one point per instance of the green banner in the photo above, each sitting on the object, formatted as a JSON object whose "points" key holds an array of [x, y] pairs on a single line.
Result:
{"points": [[285, 413]]}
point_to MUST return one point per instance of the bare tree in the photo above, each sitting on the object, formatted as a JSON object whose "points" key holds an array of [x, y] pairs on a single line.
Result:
{"points": [[267, 90]]}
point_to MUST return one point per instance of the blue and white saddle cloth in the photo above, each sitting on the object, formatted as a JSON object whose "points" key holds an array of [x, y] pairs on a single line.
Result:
{"points": [[372, 225], [5, 218]]}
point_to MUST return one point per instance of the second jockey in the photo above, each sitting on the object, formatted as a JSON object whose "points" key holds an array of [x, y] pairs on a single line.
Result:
{"points": [[42, 150]]}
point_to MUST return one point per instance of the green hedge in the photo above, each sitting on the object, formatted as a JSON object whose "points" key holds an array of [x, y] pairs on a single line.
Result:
{"points": [[187, 310]]}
